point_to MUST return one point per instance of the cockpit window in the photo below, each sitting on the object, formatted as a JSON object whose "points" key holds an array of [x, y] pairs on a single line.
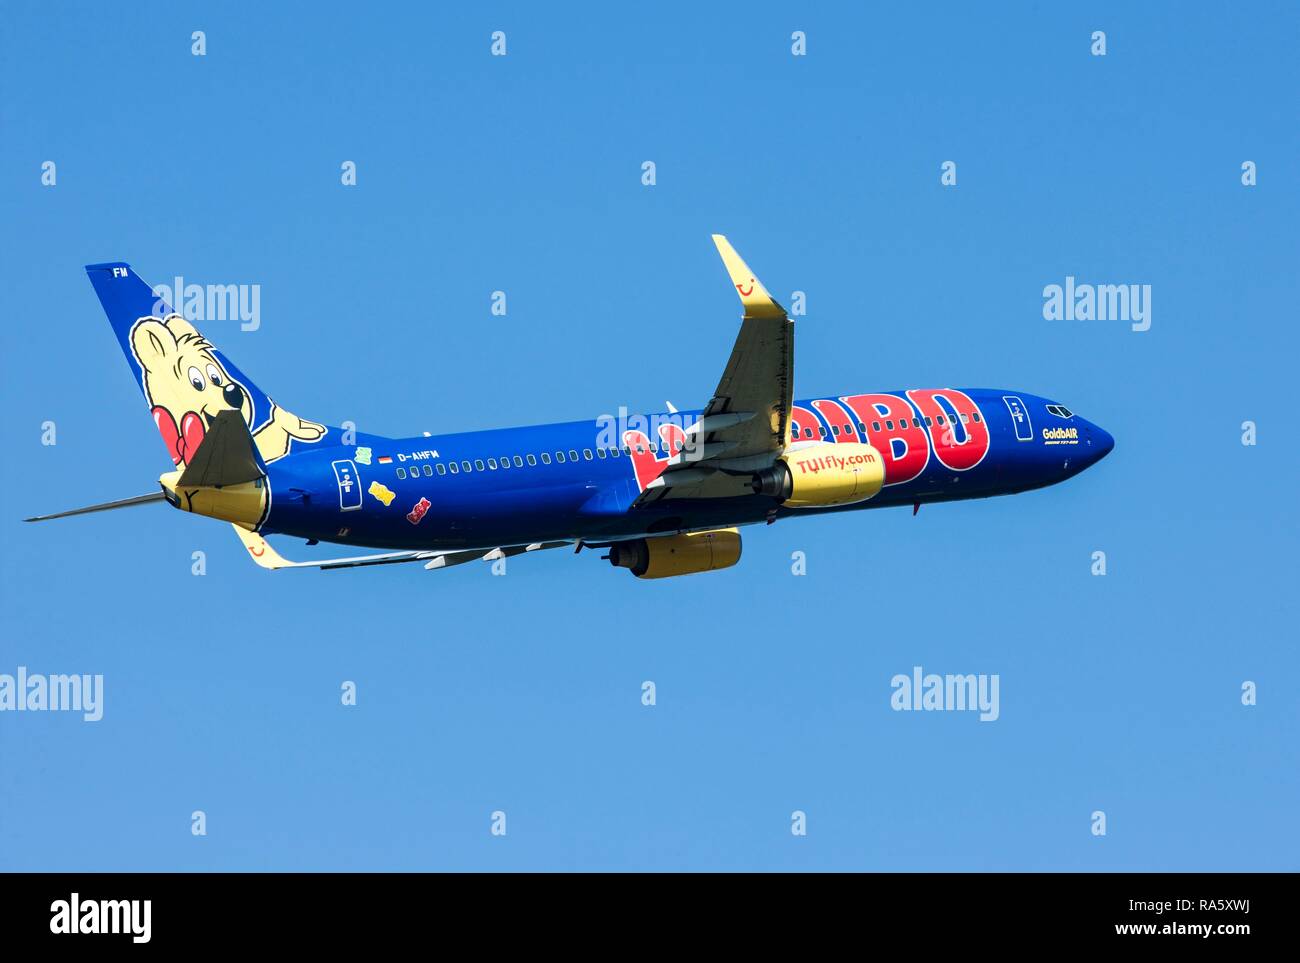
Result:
{"points": [[1060, 411]]}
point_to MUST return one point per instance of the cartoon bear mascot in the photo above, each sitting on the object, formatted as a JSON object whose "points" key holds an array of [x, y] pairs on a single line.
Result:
{"points": [[187, 386]]}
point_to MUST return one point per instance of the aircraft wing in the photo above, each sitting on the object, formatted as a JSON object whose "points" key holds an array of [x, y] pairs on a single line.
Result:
{"points": [[746, 422], [267, 557]]}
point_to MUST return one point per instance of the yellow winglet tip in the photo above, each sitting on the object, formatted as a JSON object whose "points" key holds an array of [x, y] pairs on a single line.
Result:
{"points": [[758, 303]]}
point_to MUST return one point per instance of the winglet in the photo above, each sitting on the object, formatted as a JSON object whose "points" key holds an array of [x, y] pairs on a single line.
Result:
{"points": [[757, 302], [260, 549]]}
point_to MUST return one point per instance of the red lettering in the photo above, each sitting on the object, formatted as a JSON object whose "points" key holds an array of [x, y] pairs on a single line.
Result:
{"points": [[645, 463], [804, 425], [836, 416], [915, 448], [959, 446]]}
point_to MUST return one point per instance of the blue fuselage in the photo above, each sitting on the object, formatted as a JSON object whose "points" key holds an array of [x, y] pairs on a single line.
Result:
{"points": [[578, 480]]}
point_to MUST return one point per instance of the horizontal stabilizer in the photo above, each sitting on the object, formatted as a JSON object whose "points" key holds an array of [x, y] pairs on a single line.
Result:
{"points": [[103, 507], [267, 557], [264, 555]]}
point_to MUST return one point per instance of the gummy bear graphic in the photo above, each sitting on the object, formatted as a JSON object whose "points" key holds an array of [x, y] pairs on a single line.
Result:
{"points": [[382, 492]]}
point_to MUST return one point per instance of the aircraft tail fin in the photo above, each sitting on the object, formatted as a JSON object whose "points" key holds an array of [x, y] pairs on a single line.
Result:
{"points": [[186, 380]]}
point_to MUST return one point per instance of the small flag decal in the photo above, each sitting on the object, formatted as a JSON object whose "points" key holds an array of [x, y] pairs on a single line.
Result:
{"points": [[385, 459]]}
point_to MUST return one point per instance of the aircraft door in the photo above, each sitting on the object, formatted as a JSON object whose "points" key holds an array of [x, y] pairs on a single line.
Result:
{"points": [[1019, 418]]}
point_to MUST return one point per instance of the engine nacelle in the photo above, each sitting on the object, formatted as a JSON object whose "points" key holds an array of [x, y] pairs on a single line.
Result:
{"points": [[823, 475], [677, 554]]}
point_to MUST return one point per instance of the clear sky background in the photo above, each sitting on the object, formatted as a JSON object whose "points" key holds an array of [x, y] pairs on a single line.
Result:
{"points": [[522, 173]]}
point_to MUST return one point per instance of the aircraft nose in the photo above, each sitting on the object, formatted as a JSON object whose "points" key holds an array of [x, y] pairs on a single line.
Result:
{"points": [[1100, 442]]}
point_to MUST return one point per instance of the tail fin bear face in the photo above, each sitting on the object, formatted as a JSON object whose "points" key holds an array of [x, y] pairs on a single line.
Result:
{"points": [[187, 386], [184, 381]]}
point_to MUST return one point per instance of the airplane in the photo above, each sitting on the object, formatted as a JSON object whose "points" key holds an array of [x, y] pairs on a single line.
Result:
{"points": [[663, 494]]}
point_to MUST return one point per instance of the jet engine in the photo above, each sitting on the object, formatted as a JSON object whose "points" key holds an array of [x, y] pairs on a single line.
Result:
{"points": [[677, 554], [823, 475]]}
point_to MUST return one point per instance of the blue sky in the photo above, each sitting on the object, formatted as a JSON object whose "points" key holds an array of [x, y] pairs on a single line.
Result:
{"points": [[522, 693]]}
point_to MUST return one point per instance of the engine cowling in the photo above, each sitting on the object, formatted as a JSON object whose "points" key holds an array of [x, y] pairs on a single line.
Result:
{"points": [[823, 475], [677, 554]]}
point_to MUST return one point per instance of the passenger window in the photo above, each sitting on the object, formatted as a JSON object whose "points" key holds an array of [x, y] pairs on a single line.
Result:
{"points": [[442, 469], [519, 462], [890, 425], [916, 422], [928, 422], [546, 457], [465, 466], [531, 459], [977, 417], [586, 453], [478, 463], [875, 426], [452, 465], [505, 461], [965, 419], [401, 473], [862, 429], [835, 430], [941, 419], [573, 455], [600, 453], [427, 469], [492, 463], [614, 453], [807, 432], [559, 458], [821, 430]]}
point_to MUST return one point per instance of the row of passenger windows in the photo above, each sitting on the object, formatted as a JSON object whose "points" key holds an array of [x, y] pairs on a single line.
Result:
{"points": [[492, 464], [889, 425]]}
